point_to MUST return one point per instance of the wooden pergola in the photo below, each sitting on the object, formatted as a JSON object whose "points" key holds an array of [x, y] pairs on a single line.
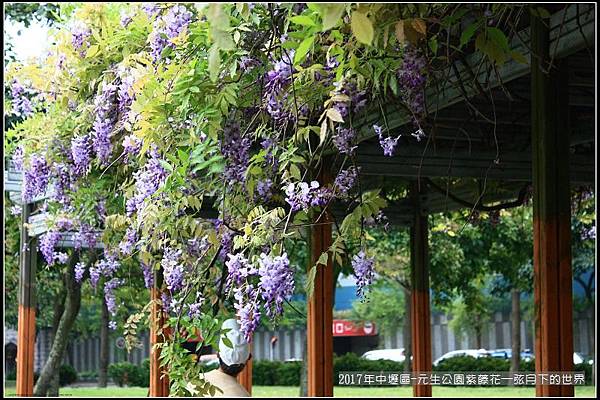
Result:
{"points": [[492, 133]]}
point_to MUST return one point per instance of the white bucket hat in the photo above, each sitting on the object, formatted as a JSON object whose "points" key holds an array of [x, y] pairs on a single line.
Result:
{"points": [[239, 353]]}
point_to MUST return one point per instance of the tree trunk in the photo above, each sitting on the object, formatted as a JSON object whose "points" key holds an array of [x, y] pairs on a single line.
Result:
{"points": [[103, 368], [304, 374], [515, 361], [59, 309], [477, 331], [72, 303], [407, 332]]}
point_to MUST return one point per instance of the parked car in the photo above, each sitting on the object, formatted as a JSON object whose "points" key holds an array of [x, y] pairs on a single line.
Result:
{"points": [[458, 353], [526, 355], [579, 358], [385, 354]]}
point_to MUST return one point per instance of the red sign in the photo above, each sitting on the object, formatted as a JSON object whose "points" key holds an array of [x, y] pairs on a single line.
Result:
{"points": [[342, 327]]}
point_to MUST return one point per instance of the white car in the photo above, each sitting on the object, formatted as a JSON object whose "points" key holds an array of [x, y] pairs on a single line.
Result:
{"points": [[458, 353], [385, 354]]}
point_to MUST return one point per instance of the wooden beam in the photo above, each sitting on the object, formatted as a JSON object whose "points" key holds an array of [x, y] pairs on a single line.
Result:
{"points": [[159, 382], [320, 311], [413, 161], [551, 214], [420, 316], [26, 316], [568, 35], [245, 377]]}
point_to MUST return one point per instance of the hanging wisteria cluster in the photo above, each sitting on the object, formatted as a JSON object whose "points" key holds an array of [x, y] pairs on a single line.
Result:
{"points": [[190, 139]]}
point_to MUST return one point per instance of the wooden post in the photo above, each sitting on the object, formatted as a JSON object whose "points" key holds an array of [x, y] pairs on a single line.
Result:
{"points": [[245, 377], [420, 316], [159, 385], [551, 213], [320, 311], [26, 318]]}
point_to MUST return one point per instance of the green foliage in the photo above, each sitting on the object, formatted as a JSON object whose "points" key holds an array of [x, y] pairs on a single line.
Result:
{"points": [[278, 373], [67, 375], [128, 374], [384, 306]]}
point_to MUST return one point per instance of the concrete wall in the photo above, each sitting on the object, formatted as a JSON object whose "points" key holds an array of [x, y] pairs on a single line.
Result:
{"points": [[84, 354]]}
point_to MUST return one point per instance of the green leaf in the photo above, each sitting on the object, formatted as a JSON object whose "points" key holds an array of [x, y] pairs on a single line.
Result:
{"points": [[214, 62], [166, 165], [468, 33], [362, 28], [227, 342], [498, 37], [223, 39], [334, 115], [323, 258], [303, 20], [303, 49], [194, 89], [433, 45], [309, 286], [331, 14], [92, 51], [394, 84], [518, 57]]}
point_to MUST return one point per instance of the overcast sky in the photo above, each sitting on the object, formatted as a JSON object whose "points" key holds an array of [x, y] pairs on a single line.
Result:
{"points": [[32, 42]]}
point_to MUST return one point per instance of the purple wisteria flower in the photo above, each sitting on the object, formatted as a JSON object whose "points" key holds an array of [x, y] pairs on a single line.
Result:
{"points": [[264, 188], [112, 325], [15, 210], [104, 123], [129, 241], [109, 265], [278, 79], [147, 181], [48, 242], [80, 34], [85, 235], [588, 233], [126, 18], [167, 27], [236, 150], [79, 271], [18, 157], [276, 282], [21, 105], [247, 311], [148, 275], [238, 270], [62, 183], [379, 219], [412, 80], [346, 180], [81, 152], [36, 177], [94, 276], [301, 196], [388, 144], [363, 271], [62, 257], [248, 63], [173, 270], [109, 295], [151, 9], [343, 140], [195, 308], [197, 247], [131, 146]]}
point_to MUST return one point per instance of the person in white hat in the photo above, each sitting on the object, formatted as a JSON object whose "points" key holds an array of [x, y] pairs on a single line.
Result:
{"points": [[232, 361]]}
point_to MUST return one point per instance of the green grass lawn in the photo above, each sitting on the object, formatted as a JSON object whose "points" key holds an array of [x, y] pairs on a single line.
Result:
{"points": [[339, 391]]}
